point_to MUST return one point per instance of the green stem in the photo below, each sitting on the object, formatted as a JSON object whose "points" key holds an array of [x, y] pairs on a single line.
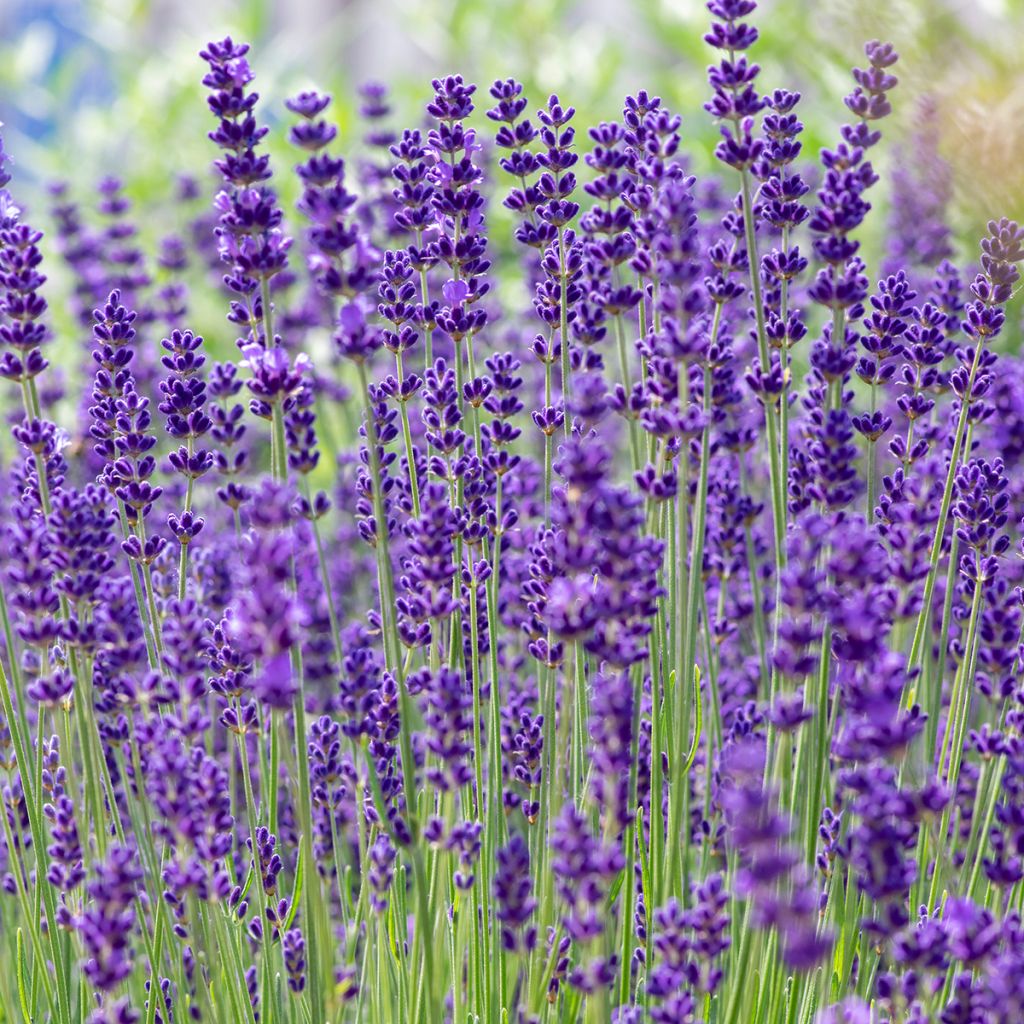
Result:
{"points": [[563, 332], [183, 558], [924, 617]]}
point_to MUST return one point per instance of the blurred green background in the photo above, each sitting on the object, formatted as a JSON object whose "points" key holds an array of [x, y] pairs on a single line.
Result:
{"points": [[95, 87]]}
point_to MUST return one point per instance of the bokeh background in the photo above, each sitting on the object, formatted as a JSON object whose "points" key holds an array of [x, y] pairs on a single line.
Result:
{"points": [[96, 87]]}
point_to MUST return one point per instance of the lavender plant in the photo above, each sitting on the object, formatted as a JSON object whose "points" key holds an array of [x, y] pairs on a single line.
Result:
{"points": [[647, 651]]}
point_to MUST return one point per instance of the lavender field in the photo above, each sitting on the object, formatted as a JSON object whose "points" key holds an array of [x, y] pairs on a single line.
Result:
{"points": [[466, 560]]}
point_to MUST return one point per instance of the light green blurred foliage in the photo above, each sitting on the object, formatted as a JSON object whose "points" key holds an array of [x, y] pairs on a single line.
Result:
{"points": [[113, 86]]}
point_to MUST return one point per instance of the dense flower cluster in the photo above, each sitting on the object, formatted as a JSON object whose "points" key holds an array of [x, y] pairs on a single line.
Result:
{"points": [[650, 654]]}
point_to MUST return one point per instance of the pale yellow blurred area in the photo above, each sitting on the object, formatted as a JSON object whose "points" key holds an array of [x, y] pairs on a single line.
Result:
{"points": [[969, 57]]}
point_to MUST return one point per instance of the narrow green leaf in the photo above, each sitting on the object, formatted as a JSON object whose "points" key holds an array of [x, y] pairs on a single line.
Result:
{"points": [[248, 882], [613, 892], [296, 891], [645, 866], [22, 987], [699, 724]]}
